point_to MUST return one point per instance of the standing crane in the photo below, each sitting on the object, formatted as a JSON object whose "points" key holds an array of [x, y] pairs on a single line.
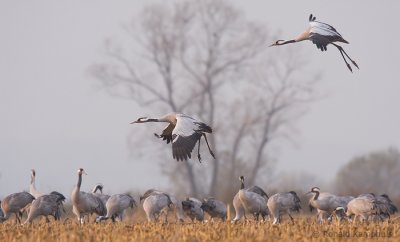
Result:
{"points": [[116, 206], [363, 207], [283, 202], [45, 205], [154, 203], [176, 204], [252, 200], [321, 34], [14, 203], [84, 203], [32, 186], [326, 203], [215, 208], [193, 208], [183, 131]]}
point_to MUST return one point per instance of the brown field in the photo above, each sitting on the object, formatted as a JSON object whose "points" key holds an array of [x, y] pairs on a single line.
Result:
{"points": [[304, 229]]}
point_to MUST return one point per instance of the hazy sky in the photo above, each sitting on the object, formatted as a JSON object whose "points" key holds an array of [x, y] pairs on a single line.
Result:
{"points": [[54, 119]]}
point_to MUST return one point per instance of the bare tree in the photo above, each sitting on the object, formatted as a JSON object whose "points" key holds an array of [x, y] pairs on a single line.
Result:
{"points": [[205, 58], [376, 172]]}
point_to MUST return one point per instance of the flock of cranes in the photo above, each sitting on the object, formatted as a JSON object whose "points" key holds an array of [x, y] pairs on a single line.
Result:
{"points": [[251, 200]]}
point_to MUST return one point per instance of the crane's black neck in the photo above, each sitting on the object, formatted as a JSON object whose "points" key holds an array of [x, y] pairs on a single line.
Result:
{"points": [[316, 195], [241, 184], [286, 42], [78, 185]]}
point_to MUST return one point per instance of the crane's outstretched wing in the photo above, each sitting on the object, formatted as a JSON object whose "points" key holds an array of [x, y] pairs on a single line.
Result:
{"points": [[182, 146], [184, 137], [167, 133]]}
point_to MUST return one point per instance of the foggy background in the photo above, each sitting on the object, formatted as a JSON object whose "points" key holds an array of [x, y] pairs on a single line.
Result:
{"points": [[56, 117]]}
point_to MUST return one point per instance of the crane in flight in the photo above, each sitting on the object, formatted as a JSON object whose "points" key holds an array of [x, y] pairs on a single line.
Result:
{"points": [[321, 34], [183, 132]]}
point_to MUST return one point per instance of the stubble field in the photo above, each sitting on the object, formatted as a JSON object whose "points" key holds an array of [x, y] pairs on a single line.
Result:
{"points": [[304, 229]]}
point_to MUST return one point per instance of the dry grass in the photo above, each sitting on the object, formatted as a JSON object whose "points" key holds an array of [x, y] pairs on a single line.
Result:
{"points": [[304, 229]]}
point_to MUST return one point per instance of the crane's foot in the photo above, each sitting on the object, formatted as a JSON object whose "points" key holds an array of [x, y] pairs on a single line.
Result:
{"points": [[355, 64], [348, 66], [212, 154], [199, 157]]}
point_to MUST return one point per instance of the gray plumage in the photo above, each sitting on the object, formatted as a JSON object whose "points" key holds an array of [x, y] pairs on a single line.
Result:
{"points": [[281, 203], [183, 132], [14, 203], [45, 205], [192, 208], [177, 208], [251, 200], [362, 207], [386, 206], [215, 208], [321, 34], [155, 203], [57, 215], [103, 197], [116, 206], [326, 203], [85, 203]]}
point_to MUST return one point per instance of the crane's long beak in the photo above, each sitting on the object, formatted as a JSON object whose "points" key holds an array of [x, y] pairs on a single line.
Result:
{"points": [[139, 120], [307, 193], [84, 173]]}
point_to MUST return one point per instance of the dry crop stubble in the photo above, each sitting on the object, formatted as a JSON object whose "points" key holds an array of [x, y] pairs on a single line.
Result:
{"points": [[304, 229]]}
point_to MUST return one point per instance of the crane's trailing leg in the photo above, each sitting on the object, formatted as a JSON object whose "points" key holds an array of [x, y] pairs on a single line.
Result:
{"points": [[341, 52], [354, 63], [198, 152], [209, 149], [340, 48]]}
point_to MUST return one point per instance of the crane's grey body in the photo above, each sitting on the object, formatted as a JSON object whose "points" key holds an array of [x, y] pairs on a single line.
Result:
{"points": [[32, 187], [85, 203], [215, 208], [155, 203], [362, 207], [175, 205], [371, 206], [281, 203], [14, 203], [103, 197], [45, 205], [252, 200], [183, 132], [192, 208], [321, 34], [116, 206], [340, 201], [385, 206], [326, 203]]}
